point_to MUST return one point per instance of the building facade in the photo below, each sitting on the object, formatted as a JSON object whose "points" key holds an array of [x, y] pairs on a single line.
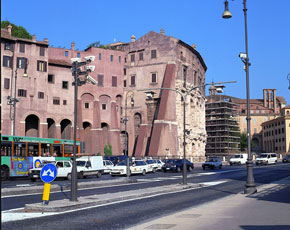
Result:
{"points": [[276, 133]]}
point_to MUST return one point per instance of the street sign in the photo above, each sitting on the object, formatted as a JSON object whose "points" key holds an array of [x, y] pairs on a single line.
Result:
{"points": [[48, 173]]}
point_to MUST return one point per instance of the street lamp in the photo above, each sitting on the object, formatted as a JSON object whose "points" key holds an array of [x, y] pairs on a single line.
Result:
{"points": [[127, 95], [288, 77], [76, 71], [250, 186], [183, 96]]}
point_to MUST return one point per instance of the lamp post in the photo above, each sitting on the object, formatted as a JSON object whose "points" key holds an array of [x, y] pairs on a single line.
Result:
{"points": [[184, 96], [250, 186], [76, 71], [127, 95], [288, 77]]}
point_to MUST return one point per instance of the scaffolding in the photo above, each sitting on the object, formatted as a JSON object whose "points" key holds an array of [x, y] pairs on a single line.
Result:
{"points": [[222, 126]]}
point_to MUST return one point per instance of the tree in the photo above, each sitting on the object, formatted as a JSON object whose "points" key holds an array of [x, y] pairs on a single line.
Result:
{"points": [[17, 31], [99, 45], [244, 142], [108, 150]]}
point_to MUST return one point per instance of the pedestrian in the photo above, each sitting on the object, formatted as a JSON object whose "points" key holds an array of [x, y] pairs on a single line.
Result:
{"points": [[54, 154]]}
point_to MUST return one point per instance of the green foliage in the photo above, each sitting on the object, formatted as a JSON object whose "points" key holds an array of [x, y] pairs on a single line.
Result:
{"points": [[108, 150], [98, 44], [244, 142], [17, 31]]}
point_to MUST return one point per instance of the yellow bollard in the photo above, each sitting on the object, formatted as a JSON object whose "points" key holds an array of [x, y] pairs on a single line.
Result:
{"points": [[46, 191]]}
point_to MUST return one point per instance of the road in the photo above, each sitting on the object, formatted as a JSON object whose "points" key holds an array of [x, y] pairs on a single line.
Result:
{"points": [[125, 214]]}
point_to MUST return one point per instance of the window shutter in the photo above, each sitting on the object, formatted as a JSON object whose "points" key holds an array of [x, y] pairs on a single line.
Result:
{"points": [[37, 65], [6, 83]]}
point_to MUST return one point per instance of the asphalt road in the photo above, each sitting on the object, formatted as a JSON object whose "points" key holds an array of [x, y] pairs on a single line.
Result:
{"points": [[122, 215]]}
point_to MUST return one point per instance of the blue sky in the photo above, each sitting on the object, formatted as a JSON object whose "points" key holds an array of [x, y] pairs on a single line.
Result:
{"points": [[219, 41]]}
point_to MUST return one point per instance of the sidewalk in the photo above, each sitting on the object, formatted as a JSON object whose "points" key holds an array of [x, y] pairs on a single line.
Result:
{"points": [[269, 209]]}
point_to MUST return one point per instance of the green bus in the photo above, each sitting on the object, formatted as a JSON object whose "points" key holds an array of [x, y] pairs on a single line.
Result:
{"points": [[19, 154]]}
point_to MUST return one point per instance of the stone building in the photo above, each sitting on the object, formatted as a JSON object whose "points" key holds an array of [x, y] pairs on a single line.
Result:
{"points": [[155, 125], [276, 133]]}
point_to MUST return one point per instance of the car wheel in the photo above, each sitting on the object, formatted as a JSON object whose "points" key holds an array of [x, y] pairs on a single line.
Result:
{"points": [[154, 170], [212, 167], [69, 176], [80, 175], [231, 163], [99, 174], [178, 169], [203, 168], [144, 172], [164, 170], [4, 173], [33, 179], [220, 166], [190, 169]]}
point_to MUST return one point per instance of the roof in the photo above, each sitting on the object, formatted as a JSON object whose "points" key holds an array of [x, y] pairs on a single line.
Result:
{"points": [[5, 34], [59, 62]]}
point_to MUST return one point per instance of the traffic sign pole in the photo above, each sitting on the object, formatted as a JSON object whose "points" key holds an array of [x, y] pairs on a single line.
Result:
{"points": [[46, 192]]}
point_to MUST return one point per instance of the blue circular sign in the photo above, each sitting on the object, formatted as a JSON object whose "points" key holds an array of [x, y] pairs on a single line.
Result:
{"points": [[48, 173]]}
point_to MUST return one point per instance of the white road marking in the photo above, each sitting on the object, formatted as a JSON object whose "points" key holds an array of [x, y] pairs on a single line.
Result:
{"points": [[12, 215]]}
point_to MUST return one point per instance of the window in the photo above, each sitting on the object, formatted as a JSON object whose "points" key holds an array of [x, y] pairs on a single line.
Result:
{"points": [[7, 61], [41, 51], [100, 80], [125, 83], [100, 56], [78, 55], [66, 53], [153, 54], [140, 56], [87, 105], [41, 66], [41, 95], [6, 83], [125, 71], [21, 63], [50, 78], [114, 81], [133, 80], [22, 48], [65, 84], [119, 59], [9, 46], [132, 57], [111, 58], [56, 101], [64, 102], [22, 93], [125, 60], [104, 107], [153, 78]]}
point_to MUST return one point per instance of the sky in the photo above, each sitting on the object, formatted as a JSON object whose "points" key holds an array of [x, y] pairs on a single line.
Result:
{"points": [[218, 40]]}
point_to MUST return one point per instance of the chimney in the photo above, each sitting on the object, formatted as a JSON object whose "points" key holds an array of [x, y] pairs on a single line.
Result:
{"points": [[34, 38], [45, 40], [162, 31], [133, 38], [193, 46], [9, 28], [73, 46]]}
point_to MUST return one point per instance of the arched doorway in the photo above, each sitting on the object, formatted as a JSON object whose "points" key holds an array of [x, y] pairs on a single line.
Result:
{"points": [[87, 137], [106, 136], [32, 126], [65, 127], [51, 128], [137, 123], [123, 136]]}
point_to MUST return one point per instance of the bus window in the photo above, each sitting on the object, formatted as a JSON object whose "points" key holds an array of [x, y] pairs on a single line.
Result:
{"points": [[45, 150], [20, 149], [58, 150], [6, 149], [68, 150], [33, 150]]}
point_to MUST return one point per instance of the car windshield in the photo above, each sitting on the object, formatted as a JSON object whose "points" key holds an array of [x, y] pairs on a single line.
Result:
{"points": [[150, 162], [124, 163], [263, 155], [237, 156], [45, 163], [171, 161], [81, 163]]}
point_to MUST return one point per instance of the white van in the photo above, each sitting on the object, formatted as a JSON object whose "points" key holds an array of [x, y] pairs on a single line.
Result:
{"points": [[90, 166], [266, 158], [239, 159]]}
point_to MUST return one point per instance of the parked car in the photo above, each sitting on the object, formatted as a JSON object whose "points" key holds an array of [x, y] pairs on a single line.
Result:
{"points": [[90, 166], [160, 163], [286, 159], [239, 159], [266, 158], [152, 165], [176, 165], [212, 163], [63, 170], [108, 166], [136, 167]]}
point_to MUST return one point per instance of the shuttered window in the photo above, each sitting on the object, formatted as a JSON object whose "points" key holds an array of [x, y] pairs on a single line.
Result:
{"points": [[22, 93], [7, 61], [22, 48], [133, 83], [6, 83], [114, 81], [100, 80], [42, 66]]}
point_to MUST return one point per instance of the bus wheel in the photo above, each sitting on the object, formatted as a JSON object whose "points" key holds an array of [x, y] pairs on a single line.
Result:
{"points": [[4, 172]]}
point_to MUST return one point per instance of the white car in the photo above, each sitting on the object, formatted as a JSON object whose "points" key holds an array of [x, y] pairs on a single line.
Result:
{"points": [[266, 158], [160, 163], [239, 159], [152, 165], [136, 167], [108, 166]]}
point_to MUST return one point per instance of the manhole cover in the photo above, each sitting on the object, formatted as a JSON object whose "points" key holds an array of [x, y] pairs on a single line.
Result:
{"points": [[160, 226]]}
